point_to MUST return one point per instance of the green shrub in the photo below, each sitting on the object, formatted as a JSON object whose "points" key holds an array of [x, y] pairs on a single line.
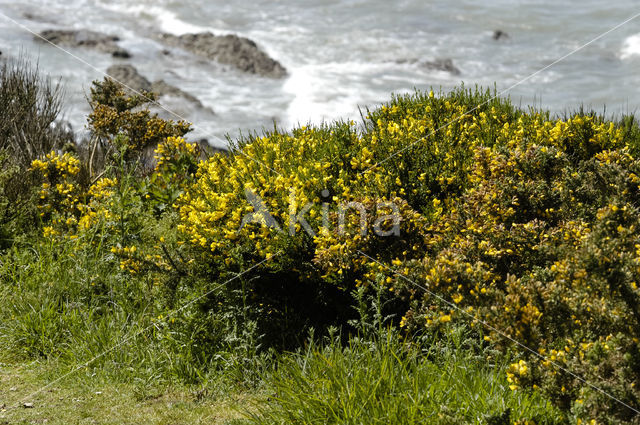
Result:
{"points": [[123, 128], [523, 222], [29, 108]]}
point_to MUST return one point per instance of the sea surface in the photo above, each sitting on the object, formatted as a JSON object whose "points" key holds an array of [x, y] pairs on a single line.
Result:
{"points": [[345, 55]]}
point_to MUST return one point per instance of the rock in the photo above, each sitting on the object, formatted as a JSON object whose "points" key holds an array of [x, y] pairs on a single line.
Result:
{"points": [[442, 65], [162, 88], [436, 65], [84, 38], [238, 52], [121, 53], [28, 405], [128, 76], [132, 79], [499, 34], [209, 150]]}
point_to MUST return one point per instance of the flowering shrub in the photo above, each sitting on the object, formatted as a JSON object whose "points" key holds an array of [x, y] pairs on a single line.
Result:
{"points": [[523, 222], [59, 192], [119, 211], [176, 165], [123, 126]]}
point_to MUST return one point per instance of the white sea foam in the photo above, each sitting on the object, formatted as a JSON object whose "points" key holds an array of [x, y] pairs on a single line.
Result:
{"points": [[164, 19], [630, 47], [315, 100], [340, 54]]}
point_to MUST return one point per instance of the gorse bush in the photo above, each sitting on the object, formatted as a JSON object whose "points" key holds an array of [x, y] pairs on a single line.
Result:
{"points": [[514, 219], [108, 266], [122, 127]]}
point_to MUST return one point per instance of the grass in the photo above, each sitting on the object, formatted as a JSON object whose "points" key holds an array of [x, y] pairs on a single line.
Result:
{"points": [[389, 382], [381, 380], [90, 398]]}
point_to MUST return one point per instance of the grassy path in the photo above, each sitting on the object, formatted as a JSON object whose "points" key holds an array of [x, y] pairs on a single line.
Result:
{"points": [[90, 400]]}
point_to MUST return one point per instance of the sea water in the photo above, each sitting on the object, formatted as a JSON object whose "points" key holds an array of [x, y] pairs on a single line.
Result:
{"points": [[344, 56]]}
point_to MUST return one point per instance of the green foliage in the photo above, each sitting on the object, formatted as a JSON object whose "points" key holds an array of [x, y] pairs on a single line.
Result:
{"points": [[29, 107], [385, 381], [122, 127]]}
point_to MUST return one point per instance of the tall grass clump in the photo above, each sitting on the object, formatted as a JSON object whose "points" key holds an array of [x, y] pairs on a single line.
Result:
{"points": [[382, 380]]}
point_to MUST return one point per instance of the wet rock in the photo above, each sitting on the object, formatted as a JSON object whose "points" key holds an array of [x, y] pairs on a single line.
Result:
{"points": [[122, 54], [442, 65], [499, 35], [445, 65], [129, 76], [132, 79], [162, 88], [84, 38], [208, 150], [239, 52]]}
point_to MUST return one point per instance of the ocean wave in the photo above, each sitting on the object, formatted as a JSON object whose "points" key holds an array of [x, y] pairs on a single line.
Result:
{"points": [[630, 47], [164, 19]]}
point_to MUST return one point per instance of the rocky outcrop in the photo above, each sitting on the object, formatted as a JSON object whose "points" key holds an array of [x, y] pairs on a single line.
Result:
{"points": [[208, 150], [162, 88], [129, 76], [84, 38], [239, 52], [445, 65], [499, 35]]}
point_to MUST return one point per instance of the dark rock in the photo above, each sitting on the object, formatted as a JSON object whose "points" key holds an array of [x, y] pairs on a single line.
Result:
{"points": [[129, 77], [436, 65], [442, 65], [84, 38], [499, 34], [238, 52], [121, 53], [209, 150], [162, 88]]}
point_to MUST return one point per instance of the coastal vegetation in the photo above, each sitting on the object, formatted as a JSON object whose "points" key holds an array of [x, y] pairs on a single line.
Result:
{"points": [[488, 271]]}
